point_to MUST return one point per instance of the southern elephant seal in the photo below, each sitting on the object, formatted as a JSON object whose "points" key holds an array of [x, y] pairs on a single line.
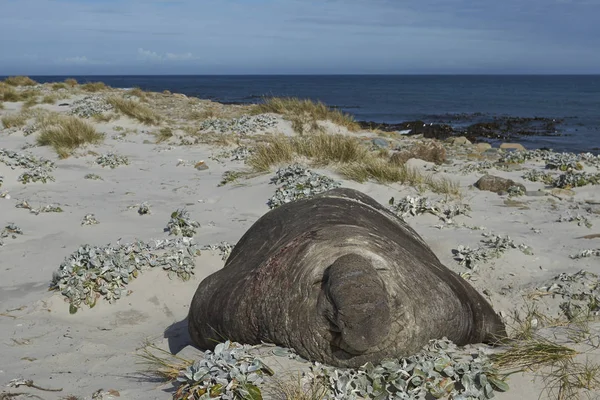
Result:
{"points": [[341, 280]]}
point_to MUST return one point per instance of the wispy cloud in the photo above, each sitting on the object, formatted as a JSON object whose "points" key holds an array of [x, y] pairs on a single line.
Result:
{"points": [[149, 55]]}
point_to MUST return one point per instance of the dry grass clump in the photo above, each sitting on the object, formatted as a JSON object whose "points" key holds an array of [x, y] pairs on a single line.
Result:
{"points": [[70, 82], [100, 117], [66, 133], [293, 388], [163, 134], [562, 374], [20, 81], [94, 86], [352, 159], [431, 151], [135, 109], [49, 99], [8, 93], [14, 120], [58, 85], [306, 113], [165, 366], [139, 93]]}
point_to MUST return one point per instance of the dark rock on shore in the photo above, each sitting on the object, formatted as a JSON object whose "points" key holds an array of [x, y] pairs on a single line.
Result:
{"points": [[500, 128], [497, 184]]}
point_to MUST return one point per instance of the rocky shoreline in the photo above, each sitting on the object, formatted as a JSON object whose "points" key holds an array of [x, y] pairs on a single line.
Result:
{"points": [[497, 128]]}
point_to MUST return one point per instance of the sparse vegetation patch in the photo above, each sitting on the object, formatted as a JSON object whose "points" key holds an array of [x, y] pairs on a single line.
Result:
{"points": [[305, 114], [67, 133], [135, 109]]}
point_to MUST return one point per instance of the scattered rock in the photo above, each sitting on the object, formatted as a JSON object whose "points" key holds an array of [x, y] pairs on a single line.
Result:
{"points": [[460, 140], [512, 146], [481, 147], [201, 166], [497, 184], [381, 143]]}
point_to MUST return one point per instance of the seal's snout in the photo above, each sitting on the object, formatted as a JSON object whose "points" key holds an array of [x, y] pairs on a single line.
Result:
{"points": [[359, 302]]}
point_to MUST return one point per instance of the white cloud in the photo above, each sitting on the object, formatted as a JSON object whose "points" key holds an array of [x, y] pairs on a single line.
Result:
{"points": [[150, 55], [76, 60], [186, 56]]}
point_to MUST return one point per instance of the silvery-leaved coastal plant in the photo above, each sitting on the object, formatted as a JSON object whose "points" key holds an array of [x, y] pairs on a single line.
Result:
{"points": [[95, 272], [298, 182], [181, 224], [413, 206], [494, 246], [229, 372], [439, 370]]}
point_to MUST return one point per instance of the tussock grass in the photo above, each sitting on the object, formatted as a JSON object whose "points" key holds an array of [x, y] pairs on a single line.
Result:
{"points": [[306, 113], [431, 151], [100, 117], [30, 102], [161, 363], [292, 388], [70, 82], [532, 354], [58, 85], [135, 109], [163, 134], [277, 150], [94, 86], [49, 99], [20, 81], [14, 120], [137, 92], [207, 113], [380, 171], [66, 133], [351, 158], [8, 93]]}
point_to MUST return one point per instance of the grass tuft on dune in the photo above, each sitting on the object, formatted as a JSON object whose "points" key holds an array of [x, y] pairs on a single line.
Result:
{"points": [[135, 109], [349, 156], [66, 133], [304, 114]]}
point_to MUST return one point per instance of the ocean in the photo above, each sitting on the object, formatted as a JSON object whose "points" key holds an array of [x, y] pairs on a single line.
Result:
{"points": [[453, 99]]}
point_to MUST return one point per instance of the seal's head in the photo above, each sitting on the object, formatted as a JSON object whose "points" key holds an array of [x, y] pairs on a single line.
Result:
{"points": [[355, 304]]}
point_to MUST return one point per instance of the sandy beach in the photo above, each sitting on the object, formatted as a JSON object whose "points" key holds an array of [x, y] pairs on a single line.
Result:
{"points": [[178, 155]]}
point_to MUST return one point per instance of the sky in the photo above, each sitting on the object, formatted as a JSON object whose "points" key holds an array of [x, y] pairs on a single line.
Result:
{"points": [[79, 37]]}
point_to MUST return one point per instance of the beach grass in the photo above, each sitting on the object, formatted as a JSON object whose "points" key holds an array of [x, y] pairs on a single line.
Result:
{"points": [[138, 92], [292, 388], [161, 363], [8, 93], [20, 81], [135, 109], [351, 158], [304, 114], [49, 99], [59, 85], [94, 87], [163, 134], [66, 133], [14, 120], [71, 82]]}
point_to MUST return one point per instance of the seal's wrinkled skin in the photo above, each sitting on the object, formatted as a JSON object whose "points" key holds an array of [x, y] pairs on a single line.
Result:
{"points": [[341, 280]]}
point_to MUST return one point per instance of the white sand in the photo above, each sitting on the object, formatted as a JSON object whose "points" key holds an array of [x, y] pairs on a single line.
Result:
{"points": [[96, 348]]}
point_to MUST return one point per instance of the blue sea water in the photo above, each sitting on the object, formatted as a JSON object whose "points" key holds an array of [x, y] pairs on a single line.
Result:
{"points": [[397, 98]]}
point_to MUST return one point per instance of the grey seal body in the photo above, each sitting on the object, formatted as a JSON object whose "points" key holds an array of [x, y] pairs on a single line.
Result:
{"points": [[341, 280]]}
